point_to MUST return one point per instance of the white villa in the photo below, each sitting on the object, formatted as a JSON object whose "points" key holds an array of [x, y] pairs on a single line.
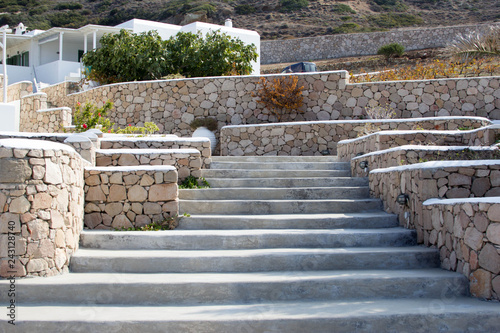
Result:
{"points": [[53, 56]]}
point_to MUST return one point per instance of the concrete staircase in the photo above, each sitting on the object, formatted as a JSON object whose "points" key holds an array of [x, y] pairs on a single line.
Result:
{"points": [[289, 244]]}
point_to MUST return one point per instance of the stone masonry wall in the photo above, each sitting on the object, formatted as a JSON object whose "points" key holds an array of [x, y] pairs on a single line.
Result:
{"points": [[160, 142], [35, 117], [388, 139], [41, 207], [412, 154], [346, 45], [467, 234], [117, 197], [422, 181], [17, 90], [312, 138], [173, 104]]}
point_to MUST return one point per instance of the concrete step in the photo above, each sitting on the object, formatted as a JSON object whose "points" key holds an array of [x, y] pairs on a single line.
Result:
{"points": [[281, 165], [237, 159], [254, 193], [246, 239], [270, 173], [371, 220], [286, 182], [220, 288], [278, 206], [254, 260], [342, 316]]}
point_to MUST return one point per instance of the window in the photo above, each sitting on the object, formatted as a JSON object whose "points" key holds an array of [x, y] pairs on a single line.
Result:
{"points": [[22, 59]]}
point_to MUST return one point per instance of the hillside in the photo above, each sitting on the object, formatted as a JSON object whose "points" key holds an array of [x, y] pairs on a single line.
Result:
{"points": [[273, 19]]}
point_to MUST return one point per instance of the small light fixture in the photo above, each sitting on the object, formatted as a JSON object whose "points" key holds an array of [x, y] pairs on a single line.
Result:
{"points": [[363, 165], [325, 152], [402, 199]]}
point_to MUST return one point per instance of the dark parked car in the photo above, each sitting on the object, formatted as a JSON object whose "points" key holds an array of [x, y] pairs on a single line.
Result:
{"points": [[301, 67]]}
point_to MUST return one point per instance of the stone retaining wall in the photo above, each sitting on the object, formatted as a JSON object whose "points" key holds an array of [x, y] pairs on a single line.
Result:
{"points": [[422, 181], [405, 155], [41, 206], [160, 142], [36, 117], [173, 104], [186, 161], [388, 139], [347, 45], [17, 90], [117, 197], [312, 138], [467, 234]]}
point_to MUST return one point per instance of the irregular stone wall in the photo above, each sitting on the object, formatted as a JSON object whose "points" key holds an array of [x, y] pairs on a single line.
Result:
{"points": [[160, 142], [467, 234], [35, 117], [173, 104], [346, 45], [388, 139], [186, 161], [405, 155], [17, 90], [312, 138], [117, 197], [422, 181], [41, 206]]}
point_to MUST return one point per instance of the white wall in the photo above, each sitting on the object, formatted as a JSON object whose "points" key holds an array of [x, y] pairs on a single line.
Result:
{"points": [[48, 52], [164, 30], [70, 50], [10, 115]]}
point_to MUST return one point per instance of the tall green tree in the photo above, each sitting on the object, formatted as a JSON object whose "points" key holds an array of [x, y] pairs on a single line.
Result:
{"points": [[133, 57]]}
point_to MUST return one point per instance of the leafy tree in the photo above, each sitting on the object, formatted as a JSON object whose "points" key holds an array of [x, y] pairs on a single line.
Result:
{"points": [[133, 57]]}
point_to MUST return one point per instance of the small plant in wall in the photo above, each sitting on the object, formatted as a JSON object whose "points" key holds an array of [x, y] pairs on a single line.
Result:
{"points": [[88, 115], [192, 182], [281, 96], [204, 127]]}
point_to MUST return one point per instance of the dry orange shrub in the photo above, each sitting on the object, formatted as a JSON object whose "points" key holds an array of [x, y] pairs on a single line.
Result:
{"points": [[281, 96], [435, 70]]}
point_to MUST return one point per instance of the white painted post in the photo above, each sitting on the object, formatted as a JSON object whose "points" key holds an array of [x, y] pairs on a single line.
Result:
{"points": [[94, 40], [85, 44], [4, 62], [61, 46]]}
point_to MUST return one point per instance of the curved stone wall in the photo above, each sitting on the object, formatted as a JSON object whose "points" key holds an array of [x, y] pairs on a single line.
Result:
{"points": [[41, 206]]}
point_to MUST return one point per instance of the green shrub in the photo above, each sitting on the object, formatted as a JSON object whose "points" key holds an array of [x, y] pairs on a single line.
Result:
{"points": [[391, 50], [68, 5], [345, 18], [395, 20], [210, 123], [292, 5], [244, 9], [88, 115], [389, 5], [343, 9], [345, 28]]}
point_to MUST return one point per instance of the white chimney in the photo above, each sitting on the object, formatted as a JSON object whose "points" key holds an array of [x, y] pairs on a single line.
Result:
{"points": [[229, 23], [20, 29]]}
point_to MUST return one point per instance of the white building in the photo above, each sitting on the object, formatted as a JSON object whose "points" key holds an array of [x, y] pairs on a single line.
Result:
{"points": [[53, 56]]}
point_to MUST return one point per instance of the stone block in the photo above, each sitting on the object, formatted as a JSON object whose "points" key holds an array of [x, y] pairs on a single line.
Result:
{"points": [[53, 174], [117, 193], [494, 213], [137, 194], [92, 220], [480, 284], [163, 192], [473, 238], [6, 270], [493, 233], [480, 186], [14, 171], [121, 221], [9, 223], [95, 193], [114, 209], [489, 259]]}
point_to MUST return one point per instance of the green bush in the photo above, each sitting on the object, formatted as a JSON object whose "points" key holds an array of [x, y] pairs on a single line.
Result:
{"points": [[126, 56], [395, 20], [244, 9], [68, 5], [292, 5], [391, 50], [389, 5], [345, 28], [343, 9]]}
